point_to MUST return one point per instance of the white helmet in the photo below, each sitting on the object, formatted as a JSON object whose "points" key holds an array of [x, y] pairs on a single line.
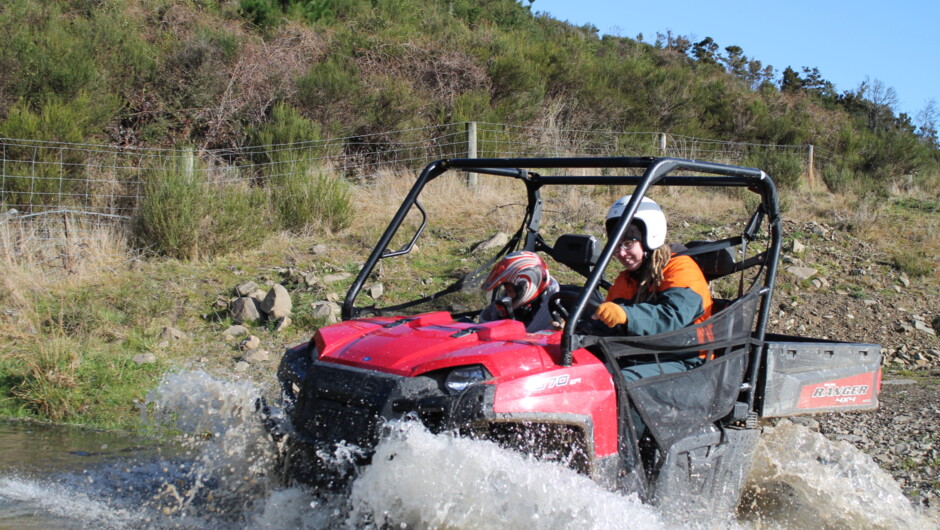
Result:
{"points": [[649, 216]]}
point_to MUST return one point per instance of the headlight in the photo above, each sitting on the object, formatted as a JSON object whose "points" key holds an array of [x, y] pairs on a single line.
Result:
{"points": [[459, 379]]}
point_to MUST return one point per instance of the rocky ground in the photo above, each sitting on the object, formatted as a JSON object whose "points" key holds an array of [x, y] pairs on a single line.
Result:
{"points": [[856, 296]]}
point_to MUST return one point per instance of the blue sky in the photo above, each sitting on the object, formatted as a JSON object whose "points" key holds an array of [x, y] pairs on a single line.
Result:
{"points": [[897, 43]]}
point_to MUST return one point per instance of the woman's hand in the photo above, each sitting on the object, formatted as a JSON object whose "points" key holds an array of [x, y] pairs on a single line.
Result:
{"points": [[611, 314]]}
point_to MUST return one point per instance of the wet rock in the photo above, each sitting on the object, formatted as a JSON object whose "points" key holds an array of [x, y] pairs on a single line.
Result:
{"points": [[807, 421]]}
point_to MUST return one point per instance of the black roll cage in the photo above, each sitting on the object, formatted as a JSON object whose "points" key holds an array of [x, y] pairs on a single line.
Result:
{"points": [[655, 171]]}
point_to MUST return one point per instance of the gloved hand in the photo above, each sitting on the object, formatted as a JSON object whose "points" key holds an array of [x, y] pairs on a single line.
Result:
{"points": [[611, 314]]}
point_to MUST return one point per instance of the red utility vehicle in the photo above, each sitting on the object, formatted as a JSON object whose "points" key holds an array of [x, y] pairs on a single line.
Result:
{"points": [[559, 394]]}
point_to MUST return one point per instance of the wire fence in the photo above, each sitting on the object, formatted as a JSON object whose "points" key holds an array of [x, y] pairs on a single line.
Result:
{"points": [[42, 183]]}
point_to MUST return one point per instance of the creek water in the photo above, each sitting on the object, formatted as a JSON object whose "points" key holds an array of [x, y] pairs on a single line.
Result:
{"points": [[221, 476]]}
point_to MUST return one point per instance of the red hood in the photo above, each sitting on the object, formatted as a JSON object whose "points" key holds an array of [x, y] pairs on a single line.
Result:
{"points": [[431, 341]]}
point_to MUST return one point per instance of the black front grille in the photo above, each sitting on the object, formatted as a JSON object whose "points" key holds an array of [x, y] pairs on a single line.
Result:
{"points": [[343, 404]]}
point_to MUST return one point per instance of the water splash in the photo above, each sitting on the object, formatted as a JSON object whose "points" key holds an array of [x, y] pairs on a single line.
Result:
{"points": [[801, 479], [419, 480], [234, 455], [223, 478], [61, 503]]}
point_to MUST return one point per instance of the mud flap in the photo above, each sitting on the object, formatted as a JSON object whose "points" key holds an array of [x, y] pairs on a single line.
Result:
{"points": [[702, 475]]}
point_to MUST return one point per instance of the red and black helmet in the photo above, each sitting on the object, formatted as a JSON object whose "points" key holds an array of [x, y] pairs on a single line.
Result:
{"points": [[525, 271]]}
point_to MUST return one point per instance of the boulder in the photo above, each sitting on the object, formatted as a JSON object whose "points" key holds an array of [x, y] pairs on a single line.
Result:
{"points": [[250, 343], [338, 277], [277, 303], [326, 310], [802, 273], [497, 241], [145, 358], [170, 333], [245, 289], [255, 356], [376, 291], [234, 331], [245, 310], [282, 324], [796, 247]]}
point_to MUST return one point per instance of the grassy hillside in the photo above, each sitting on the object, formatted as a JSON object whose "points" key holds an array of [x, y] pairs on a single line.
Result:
{"points": [[209, 74]]}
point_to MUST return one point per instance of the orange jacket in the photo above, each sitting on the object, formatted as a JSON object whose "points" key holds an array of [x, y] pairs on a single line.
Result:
{"points": [[681, 299]]}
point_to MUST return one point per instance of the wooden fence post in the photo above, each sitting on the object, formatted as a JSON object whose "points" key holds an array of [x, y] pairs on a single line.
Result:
{"points": [[811, 176], [471, 151]]}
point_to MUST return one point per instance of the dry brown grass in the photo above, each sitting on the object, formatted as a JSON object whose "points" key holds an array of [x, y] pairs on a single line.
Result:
{"points": [[36, 256]]}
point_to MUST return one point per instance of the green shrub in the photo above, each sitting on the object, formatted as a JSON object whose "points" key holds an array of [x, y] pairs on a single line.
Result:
{"points": [[48, 173], [182, 216], [838, 178], [786, 169], [303, 197], [171, 210], [301, 193], [262, 13], [236, 218]]}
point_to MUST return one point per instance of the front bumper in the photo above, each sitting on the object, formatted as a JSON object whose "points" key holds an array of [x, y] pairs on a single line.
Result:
{"points": [[338, 415]]}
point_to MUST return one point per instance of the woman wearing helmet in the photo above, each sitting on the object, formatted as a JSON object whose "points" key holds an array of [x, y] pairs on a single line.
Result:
{"points": [[523, 287], [656, 292]]}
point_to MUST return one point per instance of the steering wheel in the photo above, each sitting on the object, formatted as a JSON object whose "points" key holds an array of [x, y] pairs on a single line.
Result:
{"points": [[562, 303]]}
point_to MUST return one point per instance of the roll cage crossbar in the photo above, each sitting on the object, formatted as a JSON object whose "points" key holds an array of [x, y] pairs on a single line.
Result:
{"points": [[654, 171]]}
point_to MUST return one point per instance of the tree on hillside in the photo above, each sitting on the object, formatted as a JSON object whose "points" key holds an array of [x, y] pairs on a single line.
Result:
{"points": [[704, 51], [883, 100], [926, 122], [813, 82], [791, 81], [759, 75], [676, 43], [735, 62]]}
